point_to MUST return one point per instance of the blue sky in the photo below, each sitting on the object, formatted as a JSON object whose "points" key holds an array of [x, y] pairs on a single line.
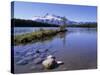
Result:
{"points": [[27, 10]]}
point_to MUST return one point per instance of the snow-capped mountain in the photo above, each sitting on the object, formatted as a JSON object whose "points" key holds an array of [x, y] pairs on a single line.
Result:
{"points": [[52, 19]]}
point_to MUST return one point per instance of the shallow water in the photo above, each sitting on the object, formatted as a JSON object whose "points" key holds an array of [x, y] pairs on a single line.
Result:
{"points": [[77, 48]]}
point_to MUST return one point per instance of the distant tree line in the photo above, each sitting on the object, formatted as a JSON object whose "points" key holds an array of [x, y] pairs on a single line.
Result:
{"points": [[30, 23], [89, 25]]}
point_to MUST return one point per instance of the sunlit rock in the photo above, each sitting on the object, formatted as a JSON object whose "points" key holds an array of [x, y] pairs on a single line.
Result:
{"points": [[49, 62]]}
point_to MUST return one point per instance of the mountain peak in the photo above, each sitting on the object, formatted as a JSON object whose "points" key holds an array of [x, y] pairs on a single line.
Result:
{"points": [[51, 19]]}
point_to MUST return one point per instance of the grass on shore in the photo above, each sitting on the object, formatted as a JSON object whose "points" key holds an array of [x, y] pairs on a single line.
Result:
{"points": [[34, 36]]}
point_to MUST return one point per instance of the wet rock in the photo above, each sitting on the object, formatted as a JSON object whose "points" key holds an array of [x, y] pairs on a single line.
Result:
{"points": [[49, 63]]}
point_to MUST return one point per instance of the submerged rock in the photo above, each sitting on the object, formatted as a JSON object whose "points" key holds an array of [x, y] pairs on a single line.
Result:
{"points": [[46, 50], [22, 62], [29, 54], [37, 51], [38, 60]]}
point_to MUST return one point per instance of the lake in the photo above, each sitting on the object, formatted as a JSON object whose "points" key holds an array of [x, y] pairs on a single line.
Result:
{"points": [[77, 48]]}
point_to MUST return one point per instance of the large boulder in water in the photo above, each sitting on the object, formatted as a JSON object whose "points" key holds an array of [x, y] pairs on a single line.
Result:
{"points": [[49, 62]]}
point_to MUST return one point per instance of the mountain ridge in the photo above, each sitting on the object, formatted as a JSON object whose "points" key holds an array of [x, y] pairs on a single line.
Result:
{"points": [[58, 20], [48, 18]]}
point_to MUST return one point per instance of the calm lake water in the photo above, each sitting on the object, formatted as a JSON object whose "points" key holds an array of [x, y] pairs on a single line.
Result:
{"points": [[77, 48]]}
